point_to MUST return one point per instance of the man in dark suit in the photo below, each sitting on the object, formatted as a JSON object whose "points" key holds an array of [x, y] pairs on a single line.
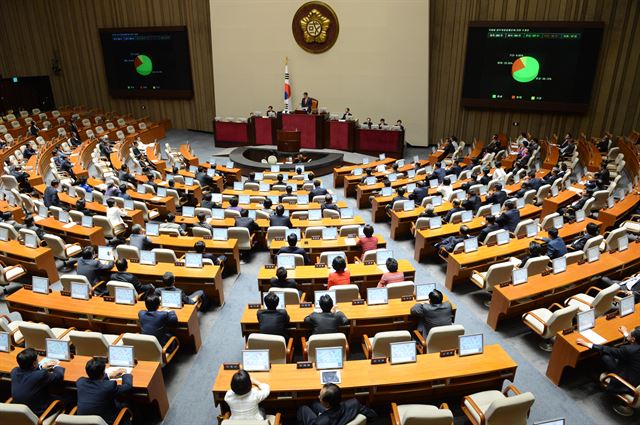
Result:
{"points": [[202, 222], [439, 173], [491, 226], [305, 103], [419, 193], [155, 321], [331, 410], [30, 383], [497, 195], [93, 269], [456, 207], [123, 276], [279, 219], [432, 314], [51, 194], [591, 231], [97, 394], [510, 216], [399, 196], [473, 201], [139, 239], [208, 203], [624, 361], [292, 239], [206, 181], [328, 203], [280, 280], [125, 176], [533, 181], [328, 320], [247, 222], [555, 245], [169, 284], [273, 321]]}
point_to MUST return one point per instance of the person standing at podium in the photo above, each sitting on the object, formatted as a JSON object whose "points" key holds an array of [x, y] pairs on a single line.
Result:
{"points": [[305, 104], [270, 112], [347, 114]]}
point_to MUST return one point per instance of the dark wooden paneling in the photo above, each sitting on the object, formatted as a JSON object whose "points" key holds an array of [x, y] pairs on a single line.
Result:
{"points": [[614, 101], [33, 32]]}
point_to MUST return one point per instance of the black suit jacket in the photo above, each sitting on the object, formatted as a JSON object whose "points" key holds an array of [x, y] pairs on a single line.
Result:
{"points": [[141, 242], [628, 357], [51, 197], [432, 315], [497, 198], [30, 387], [509, 219], [248, 223], [486, 230], [295, 250], [273, 322], [280, 220], [419, 193], [325, 323], [98, 396], [93, 269], [156, 323], [319, 191], [473, 203], [344, 414], [287, 283]]}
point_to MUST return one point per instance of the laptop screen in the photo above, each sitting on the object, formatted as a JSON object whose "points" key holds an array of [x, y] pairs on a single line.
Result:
{"points": [[559, 265], [5, 347], [188, 211], [519, 276], [435, 222], [627, 306], [217, 213], [79, 291], [382, 256], [318, 294], [148, 258], [286, 261], [315, 215], [586, 320], [105, 253], [193, 260], [171, 299], [423, 290], [161, 192], [40, 285], [87, 221], [346, 212], [470, 245], [152, 229], [330, 233]]}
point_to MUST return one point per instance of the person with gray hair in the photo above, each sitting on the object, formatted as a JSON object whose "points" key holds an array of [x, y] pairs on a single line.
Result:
{"points": [[139, 239]]}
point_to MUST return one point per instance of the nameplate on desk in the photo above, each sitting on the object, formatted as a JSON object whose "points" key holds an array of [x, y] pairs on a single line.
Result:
{"points": [[503, 284], [293, 202], [567, 331], [321, 266], [278, 239], [315, 238], [134, 260], [448, 353], [179, 263], [207, 237], [65, 293], [357, 302], [304, 365], [231, 366], [254, 306], [378, 360], [109, 299], [612, 315], [546, 273], [407, 298], [492, 243], [581, 261], [369, 263], [27, 287], [522, 236], [306, 305]]}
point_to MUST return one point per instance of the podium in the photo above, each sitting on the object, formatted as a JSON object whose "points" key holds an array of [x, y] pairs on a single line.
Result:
{"points": [[310, 126], [288, 141], [265, 129]]}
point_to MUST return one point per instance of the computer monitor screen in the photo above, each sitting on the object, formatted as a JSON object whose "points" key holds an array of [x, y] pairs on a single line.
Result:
{"points": [[435, 222], [152, 229], [105, 253], [287, 261], [328, 358], [238, 186], [411, 187], [264, 187], [357, 172], [532, 230], [5, 346], [380, 168], [57, 349], [188, 181], [193, 260], [193, 169], [43, 211], [470, 245], [79, 291], [466, 216], [610, 202], [329, 233], [274, 199], [346, 212], [560, 421], [87, 221], [141, 189], [623, 243], [400, 163], [161, 192], [315, 215], [216, 197], [302, 200], [495, 209], [229, 164], [376, 296], [392, 177], [381, 157], [30, 240], [217, 213], [63, 216], [627, 306], [593, 254], [502, 238], [319, 294], [382, 255], [252, 214], [124, 295], [519, 276], [128, 204], [88, 197], [255, 360], [4, 234], [121, 356], [386, 191], [409, 206], [171, 299], [244, 199], [470, 344], [433, 183], [586, 320], [558, 222], [559, 265], [402, 352], [520, 203], [423, 290], [295, 231], [411, 173], [365, 161], [580, 216], [188, 211], [220, 234], [148, 258], [40, 284], [275, 168], [281, 299], [370, 180]]}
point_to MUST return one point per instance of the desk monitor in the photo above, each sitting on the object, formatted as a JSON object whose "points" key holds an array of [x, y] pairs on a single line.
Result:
{"points": [[386, 191], [169, 177], [586, 320], [392, 177], [105, 253], [255, 360], [5, 345], [281, 299], [409, 205], [302, 200], [400, 163], [377, 296], [436, 201], [416, 158], [71, 191], [461, 195], [466, 216], [357, 172], [532, 230], [519, 276], [79, 291], [328, 358], [495, 209], [252, 214], [188, 211], [63, 217], [30, 240], [623, 243], [554, 191], [220, 234], [275, 168], [39, 284], [315, 215], [627, 306], [470, 245], [217, 213], [318, 294], [382, 157], [402, 352], [288, 261], [346, 212], [124, 295], [193, 260], [516, 179], [43, 211], [365, 161], [433, 183], [141, 189], [411, 187], [470, 344], [88, 197], [211, 171], [229, 164], [295, 231], [87, 221], [567, 184], [382, 255], [452, 178], [4, 234], [57, 349], [274, 199], [370, 180], [610, 202], [423, 290], [171, 299], [264, 187], [593, 254], [435, 222], [330, 233], [216, 197], [483, 190], [148, 258], [560, 421], [411, 174], [238, 186], [380, 168], [558, 222], [161, 192], [502, 238], [152, 229], [520, 203], [244, 199], [121, 356], [128, 204], [559, 264]]}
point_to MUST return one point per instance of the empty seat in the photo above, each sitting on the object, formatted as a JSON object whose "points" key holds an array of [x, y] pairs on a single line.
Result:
{"points": [[324, 340], [35, 334], [546, 322], [378, 345], [598, 299], [92, 343], [147, 347], [279, 350], [420, 414], [494, 407]]}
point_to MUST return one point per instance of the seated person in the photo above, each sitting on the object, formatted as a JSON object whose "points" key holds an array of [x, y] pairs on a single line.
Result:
{"points": [[208, 203], [569, 214], [233, 204], [367, 242], [591, 231], [279, 219], [340, 275], [491, 226], [449, 243], [247, 222], [496, 195], [280, 280], [428, 212], [155, 320], [432, 313], [93, 269], [245, 396], [456, 207], [535, 250], [30, 382], [288, 191], [473, 201], [533, 181], [419, 193], [123, 276], [81, 206], [367, 173], [98, 394], [510, 216], [328, 320], [139, 239], [168, 284], [170, 223], [328, 204], [273, 321], [266, 206], [393, 275], [438, 173], [29, 224], [399, 197], [202, 222], [485, 178], [555, 245], [331, 410], [292, 240], [218, 260]]}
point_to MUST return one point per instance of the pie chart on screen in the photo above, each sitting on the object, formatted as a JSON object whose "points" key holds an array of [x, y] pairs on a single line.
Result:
{"points": [[525, 69], [143, 65]]}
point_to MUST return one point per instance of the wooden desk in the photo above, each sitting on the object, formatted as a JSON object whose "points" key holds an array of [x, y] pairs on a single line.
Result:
{"points": [[340, 172], [315, 247], [164, 204], [610, 216], [363, 191], [351, 181], [460, 266], [542, 291], [431, 378], [567, 353], [234, 192], [97, 315], [73, 234], [401, 220], [231, 174], [426, 238], [133, 217], [310, 278], [552, 203], [148, 382], [16, 211], [208, 278], [37, 261], [288, 207], [183, 244], [328, 222]]}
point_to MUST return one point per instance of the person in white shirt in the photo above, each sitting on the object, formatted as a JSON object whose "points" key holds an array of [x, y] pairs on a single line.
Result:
{"points": [[499, 173], [245, 396], [445, 188], [114, 215]]}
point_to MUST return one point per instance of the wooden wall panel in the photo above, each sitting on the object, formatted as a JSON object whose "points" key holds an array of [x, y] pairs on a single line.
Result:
{"points": [[614, 101], [36, 31]]}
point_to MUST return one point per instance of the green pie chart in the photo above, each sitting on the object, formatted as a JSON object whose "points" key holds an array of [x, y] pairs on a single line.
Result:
{"points": [[143, 65], [525, 69]]}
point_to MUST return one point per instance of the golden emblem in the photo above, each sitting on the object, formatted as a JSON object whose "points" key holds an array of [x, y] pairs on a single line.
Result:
{"points": [[314, 27]]}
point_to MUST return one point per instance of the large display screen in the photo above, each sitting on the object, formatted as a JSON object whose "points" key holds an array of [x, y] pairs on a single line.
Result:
{"points": [[147, 62], [546, 66]]}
